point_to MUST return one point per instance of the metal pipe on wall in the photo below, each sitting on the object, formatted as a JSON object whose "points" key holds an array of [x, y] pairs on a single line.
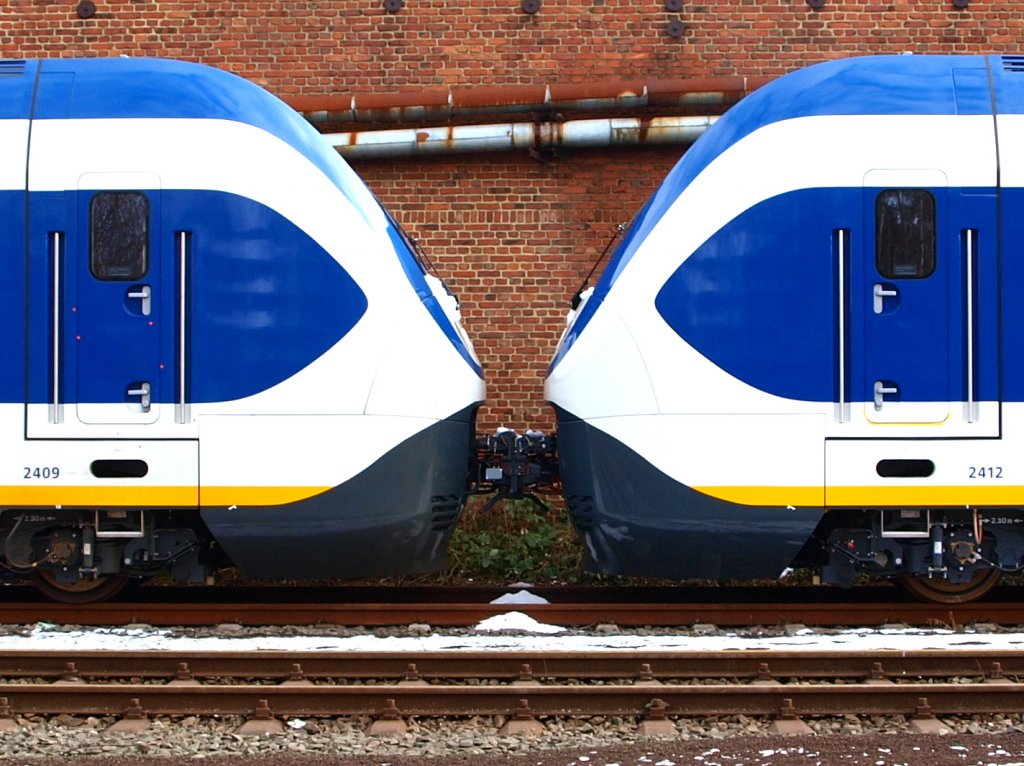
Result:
{"points": [[524, 136], [460, 103]]}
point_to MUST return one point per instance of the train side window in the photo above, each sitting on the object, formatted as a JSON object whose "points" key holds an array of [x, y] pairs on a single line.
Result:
{"points": [[905, 233], [119, 236]]}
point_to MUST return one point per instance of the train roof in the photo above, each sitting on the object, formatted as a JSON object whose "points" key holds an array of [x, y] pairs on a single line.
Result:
{"points": [[866, 85], [130, 88], [16, 79], [134, 88], [882, 85], [898, 85]]}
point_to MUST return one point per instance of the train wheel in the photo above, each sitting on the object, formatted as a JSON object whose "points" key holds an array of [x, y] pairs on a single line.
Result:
{"points": [[944, 592], [81, 592]]}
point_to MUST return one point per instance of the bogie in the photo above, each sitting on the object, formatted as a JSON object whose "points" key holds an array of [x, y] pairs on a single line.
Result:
{"points": [[92, 555], [949, 557]]}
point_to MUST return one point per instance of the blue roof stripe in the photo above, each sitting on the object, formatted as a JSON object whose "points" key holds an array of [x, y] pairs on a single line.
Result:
{"points": [[865, 85], [159, 88], [16, 81]]}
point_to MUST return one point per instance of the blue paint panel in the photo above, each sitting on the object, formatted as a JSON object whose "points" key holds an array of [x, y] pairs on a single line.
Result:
{"points": [[156, 88], [17, 79], [987, 333], [642, 225], [866, 85], [758, 298], [12, 290], [116, 346], [914, 343], [581, 322], [1008, 83], [973, 93], [265, 300], [1013, 307], [48, 212], [415, 273]]}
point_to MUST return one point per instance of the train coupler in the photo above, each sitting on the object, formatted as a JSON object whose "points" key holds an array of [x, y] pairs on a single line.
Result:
{"points": [[516, 466]]}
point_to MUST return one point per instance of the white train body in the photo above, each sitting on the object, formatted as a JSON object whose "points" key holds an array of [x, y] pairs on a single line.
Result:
{"points": [[805, 350], [213, 334]]}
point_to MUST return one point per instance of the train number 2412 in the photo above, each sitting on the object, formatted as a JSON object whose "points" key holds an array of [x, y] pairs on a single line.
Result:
{"points": [[985, 472]]}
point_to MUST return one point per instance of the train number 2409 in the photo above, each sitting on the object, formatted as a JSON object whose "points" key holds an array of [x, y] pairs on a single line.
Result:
{"points": [[41, 472], [985, 472]]}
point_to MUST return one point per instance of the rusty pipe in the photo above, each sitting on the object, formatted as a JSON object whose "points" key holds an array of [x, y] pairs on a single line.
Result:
{"points": [[525, 136], [443, 105]]}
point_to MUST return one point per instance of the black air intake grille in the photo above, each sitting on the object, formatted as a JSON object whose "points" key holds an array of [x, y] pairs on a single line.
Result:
{"points": [[11, 68], [581, 511], [444, 511], [1013, 64]]}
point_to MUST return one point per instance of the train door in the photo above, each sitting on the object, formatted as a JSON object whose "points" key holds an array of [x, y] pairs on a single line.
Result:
{"points": [[105, 330], [902, 299], [919, 345], [101, 322], [102, 418], [922, 309], [116, 311]]}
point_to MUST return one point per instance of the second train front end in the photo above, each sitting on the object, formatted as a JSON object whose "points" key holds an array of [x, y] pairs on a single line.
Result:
{"points": [[803, 352]]}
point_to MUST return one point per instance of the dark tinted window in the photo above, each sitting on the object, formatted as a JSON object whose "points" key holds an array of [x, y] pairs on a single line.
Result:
{"points": [[119, 235], [905, 233]]}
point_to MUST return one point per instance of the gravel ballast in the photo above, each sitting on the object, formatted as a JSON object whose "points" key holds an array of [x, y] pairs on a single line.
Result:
{"points": [[598, 741]]}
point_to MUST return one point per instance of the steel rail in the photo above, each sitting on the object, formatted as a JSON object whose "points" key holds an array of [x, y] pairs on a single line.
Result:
{"points": [[542, 700], [468, 614], [617, 665]]}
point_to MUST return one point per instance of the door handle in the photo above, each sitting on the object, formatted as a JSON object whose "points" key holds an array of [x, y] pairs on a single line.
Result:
{"points": [[143, 293], [881, 292], [145, 394], [881, 390]]}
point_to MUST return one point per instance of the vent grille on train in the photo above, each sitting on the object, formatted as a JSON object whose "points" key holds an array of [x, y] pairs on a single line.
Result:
{"points": [[581, 511], [12, 68], [444, 511], [1013, 64]]}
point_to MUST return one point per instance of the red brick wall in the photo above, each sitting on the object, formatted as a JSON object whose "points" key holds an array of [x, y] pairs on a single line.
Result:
{"points": [[515, 236]]}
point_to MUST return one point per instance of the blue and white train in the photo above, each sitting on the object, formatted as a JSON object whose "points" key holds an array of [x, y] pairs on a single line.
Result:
{"points": [[215, 346], [808, 349]]}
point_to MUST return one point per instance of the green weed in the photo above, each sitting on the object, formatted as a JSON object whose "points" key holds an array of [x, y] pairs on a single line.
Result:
{"points": [[514, 541]]}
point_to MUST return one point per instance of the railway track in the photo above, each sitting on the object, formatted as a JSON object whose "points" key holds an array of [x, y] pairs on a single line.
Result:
{"points": [[460, 607], [521, 687]]}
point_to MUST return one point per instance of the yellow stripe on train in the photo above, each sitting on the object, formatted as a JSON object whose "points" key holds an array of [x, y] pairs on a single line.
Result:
{"points": [[53, 496], [870, 497]]}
